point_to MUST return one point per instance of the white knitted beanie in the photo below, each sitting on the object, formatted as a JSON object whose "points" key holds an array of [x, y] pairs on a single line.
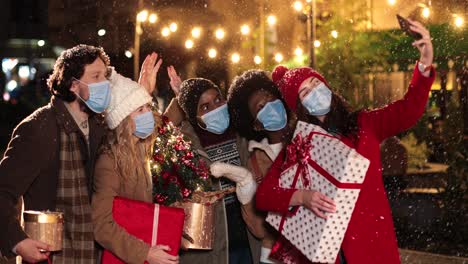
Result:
{"points": [[126, 97]]}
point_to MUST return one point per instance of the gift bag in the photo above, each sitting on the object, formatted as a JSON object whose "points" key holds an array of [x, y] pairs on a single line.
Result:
{"points": [[153, 223], [316, 160]]}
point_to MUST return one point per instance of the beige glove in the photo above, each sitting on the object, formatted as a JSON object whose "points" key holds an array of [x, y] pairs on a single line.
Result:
{"points": [[245, 183]]}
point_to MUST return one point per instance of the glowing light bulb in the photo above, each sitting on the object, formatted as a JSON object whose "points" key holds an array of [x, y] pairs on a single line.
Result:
{"points": [[173, 27], [426, 12], [279, 57], [334, 34], [245, 29], [189, 43], [317, 43], [220, 33], [235, 58], [196, 32], [153, 18], [298, 6], [459, 21], [142, 16], [257, 59], [212, 53], [298, 51], [271, 20], [165, 32]]}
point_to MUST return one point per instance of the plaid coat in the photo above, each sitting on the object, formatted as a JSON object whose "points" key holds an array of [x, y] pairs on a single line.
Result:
{"points": [[31, 164]]}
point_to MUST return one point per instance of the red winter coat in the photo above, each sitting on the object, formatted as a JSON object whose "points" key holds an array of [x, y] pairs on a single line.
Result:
{"points": [[370, 237]]}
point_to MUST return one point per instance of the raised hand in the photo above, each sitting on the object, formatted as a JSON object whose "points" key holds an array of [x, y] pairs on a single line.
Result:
{"points": [[175, 80], [30, 250], [149, 71], [158, 255], [424, 45]]}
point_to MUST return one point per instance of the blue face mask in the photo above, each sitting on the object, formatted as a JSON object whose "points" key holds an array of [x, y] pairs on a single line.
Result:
{"points": [[273, 116], [144, 124], [318, 101], [217, 121], [99, 96]]}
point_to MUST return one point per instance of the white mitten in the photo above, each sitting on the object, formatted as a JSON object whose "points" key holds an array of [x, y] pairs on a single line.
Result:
{"points": [[246, 192], [245, 183]]}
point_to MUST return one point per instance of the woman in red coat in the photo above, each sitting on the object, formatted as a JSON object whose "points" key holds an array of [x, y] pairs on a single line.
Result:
{"points": [[370, 237]]}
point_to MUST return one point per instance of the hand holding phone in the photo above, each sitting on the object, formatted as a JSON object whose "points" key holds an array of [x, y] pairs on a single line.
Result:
{"points": [[405, 26], [423, 43]]}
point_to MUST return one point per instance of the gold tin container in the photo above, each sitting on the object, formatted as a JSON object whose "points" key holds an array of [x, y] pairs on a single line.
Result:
{"points": [[46, 227], [199, 225]]}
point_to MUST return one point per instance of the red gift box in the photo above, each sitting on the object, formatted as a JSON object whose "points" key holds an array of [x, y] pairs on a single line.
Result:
{"points": [[153, 223]]}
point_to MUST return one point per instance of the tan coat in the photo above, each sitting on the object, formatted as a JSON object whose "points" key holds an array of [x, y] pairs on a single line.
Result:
{"points": [[259, 163], [108, 184]]}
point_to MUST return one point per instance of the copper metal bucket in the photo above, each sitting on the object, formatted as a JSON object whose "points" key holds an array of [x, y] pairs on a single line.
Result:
{"points": [[45, 226], [199, 225]]}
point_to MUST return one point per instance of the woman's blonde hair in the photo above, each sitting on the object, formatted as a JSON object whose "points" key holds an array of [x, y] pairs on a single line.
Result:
{"points": [[131, 159]]}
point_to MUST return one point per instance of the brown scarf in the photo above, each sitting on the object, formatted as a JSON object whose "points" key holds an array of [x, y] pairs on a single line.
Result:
{"points": [[73, 200]]}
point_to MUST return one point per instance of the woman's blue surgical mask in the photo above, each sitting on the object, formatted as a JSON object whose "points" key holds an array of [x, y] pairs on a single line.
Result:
{"points": [[273, 116], [217, 120], [144, 124], [99, 96], [318, 101]]}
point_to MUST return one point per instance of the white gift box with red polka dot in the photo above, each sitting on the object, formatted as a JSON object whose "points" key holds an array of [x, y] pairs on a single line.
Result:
{"points": [[333, 169]]}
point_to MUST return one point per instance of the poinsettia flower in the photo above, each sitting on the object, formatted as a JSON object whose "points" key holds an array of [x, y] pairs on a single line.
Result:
{"points": [[160, 199], [186, 192]]}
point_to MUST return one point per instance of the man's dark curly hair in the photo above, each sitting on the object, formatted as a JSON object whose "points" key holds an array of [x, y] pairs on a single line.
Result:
{"points": [[241, 89], [71, 63]]}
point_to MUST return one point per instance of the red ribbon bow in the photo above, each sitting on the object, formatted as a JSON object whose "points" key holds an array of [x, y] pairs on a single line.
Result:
{"points": [[299, 152]]}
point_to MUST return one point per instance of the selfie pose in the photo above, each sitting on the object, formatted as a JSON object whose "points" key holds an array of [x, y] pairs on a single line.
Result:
{"points": [[370, 236]]}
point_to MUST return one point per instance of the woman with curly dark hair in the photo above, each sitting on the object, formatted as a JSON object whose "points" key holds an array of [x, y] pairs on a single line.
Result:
{"points": [[247, 95], [258, 113]]}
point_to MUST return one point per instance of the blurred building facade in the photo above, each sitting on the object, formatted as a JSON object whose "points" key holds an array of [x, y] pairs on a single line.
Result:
{"points": [[111, 24]]}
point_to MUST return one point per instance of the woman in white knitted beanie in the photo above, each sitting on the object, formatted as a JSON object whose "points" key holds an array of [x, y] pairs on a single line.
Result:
{"points": [[122, 170]]}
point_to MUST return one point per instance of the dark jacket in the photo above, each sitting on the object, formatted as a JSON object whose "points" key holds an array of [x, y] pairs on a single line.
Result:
{"points": [[30, 166]]}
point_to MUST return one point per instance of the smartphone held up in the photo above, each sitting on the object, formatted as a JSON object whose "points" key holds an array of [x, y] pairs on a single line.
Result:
{"points": [[405, 26]]}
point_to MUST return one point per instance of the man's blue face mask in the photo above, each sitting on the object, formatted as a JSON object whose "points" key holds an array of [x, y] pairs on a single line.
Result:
{"points": [[99, 96]]}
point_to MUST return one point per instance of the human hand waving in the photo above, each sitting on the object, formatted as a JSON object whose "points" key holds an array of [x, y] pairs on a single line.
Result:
{"points": [[149, 71], [175, 80]]}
